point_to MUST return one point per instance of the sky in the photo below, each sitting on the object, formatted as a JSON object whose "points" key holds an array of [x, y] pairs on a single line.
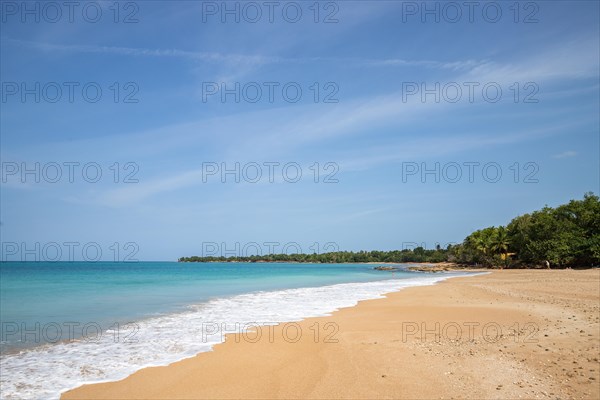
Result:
{"points": [[151, 130]]}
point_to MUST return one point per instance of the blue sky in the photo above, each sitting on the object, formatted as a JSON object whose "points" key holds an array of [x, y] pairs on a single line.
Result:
{"points": [[370, 62]]}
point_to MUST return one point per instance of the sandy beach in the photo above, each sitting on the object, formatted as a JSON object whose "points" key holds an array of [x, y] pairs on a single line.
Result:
{"points": [[508, 334]]}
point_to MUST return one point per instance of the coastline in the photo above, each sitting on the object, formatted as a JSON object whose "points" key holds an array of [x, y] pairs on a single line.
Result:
{"points": [[548, 321], [170, 337]]}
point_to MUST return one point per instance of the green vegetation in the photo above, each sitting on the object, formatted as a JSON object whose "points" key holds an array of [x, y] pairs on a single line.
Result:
{"points": [[565, 236], [417, 255]]}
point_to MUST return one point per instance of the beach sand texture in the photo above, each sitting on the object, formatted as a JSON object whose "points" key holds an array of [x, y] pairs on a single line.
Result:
{"points": [[383, 351]]}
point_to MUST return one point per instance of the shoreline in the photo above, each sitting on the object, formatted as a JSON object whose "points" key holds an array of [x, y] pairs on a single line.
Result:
{"points": [[178, 336], [371, 358]]}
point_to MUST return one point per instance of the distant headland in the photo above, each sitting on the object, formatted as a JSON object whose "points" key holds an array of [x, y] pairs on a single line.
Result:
{"points": [[561, 237]]}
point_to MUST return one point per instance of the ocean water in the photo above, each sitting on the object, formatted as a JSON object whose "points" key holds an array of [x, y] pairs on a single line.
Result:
{"points": [[66, 324]]}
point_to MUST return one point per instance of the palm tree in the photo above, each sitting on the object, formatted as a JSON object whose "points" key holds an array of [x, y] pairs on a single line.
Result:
{"points": [[479, 244], [482, 244], [500, 243]]}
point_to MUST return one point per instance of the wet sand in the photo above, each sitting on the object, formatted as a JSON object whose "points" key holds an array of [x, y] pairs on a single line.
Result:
{"points": [[508, 334]]}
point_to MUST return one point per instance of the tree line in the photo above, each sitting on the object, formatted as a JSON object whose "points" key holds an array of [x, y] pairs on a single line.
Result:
{"points": [[565, 236], [418, 254]]}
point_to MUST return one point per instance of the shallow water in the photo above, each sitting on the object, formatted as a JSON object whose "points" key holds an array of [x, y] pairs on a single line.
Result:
{"points": [[65, 324]]}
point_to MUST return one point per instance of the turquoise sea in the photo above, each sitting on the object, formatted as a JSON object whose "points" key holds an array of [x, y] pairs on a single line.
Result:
{"points": [[65, 324]]}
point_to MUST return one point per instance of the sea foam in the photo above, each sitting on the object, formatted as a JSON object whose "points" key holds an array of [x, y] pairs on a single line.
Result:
{"points": [[47, 371]]}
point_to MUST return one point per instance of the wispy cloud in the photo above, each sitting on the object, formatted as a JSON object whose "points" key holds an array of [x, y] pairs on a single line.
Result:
{"points": [[145, 52], [573, 59], [565, 154], [283, 131], [452, 143], [245, 58], [138, 192], [567, 60], [451, 65]]}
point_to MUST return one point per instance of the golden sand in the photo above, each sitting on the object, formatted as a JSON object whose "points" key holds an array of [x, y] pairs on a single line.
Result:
{"points": [[523, 334]]}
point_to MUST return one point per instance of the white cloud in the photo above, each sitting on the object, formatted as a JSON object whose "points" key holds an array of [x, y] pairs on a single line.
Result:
{"points": [[277, 133], [561, 61], [566, 154], [133, 51], [255, 60]]}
